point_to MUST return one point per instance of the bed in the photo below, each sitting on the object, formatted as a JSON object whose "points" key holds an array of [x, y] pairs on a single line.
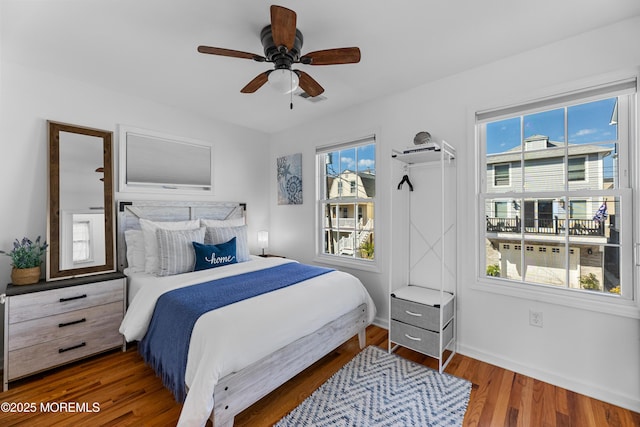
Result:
{"points": [[234, 360]]}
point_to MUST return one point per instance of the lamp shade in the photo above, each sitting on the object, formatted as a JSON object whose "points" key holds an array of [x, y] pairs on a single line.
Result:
{"points": [[263, 239], [283, 80]]}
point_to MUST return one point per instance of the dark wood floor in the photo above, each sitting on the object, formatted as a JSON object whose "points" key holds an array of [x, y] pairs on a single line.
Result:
{"points": [[129, 394]]}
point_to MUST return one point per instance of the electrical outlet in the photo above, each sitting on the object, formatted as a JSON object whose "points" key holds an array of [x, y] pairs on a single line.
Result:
{"points": [[535, 318]]}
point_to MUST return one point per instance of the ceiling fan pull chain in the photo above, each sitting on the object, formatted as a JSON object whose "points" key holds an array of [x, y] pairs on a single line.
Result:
{"points": [[291, 93]]}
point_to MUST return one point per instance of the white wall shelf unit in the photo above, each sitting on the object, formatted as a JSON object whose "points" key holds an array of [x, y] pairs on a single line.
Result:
{"points": [[422, 299]]}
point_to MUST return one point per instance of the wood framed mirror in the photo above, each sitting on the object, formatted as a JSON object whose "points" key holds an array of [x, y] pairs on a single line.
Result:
{"points": [[80, 219]]}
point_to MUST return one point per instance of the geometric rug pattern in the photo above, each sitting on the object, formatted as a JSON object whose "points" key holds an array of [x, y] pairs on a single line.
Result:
{"points": [[378, 389]]}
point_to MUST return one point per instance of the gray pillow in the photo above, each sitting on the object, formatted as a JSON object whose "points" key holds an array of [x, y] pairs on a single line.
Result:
{"points": [[175, 251], [217, 235]]}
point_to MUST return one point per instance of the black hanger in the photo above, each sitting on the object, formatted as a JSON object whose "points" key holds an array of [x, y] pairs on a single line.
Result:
{"points": [[405, 179]]}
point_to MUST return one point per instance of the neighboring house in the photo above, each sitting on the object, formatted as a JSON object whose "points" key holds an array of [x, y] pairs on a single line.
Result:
{"points": [[349, 224], [545, 220]]}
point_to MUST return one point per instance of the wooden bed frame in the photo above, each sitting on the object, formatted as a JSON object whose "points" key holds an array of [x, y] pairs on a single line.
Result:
{"points": [[239, 390]]}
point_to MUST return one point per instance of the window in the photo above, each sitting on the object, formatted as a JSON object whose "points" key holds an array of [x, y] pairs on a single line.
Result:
{"points": [[154, 162], [501, 209], [81, 241], [352, 234], [578, 209], [554, 180], [577, 169], [500, 175]]}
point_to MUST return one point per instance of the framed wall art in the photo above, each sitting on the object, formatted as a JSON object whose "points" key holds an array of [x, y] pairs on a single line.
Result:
{"points": [[289, 170]]}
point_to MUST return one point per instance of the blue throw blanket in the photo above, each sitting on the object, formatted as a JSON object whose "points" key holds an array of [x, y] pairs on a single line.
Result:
{"points": [[166, 343]]}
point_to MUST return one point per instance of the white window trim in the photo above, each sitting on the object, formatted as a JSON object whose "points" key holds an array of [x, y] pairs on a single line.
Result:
{"points": [[602, 303], [337, 260], [354, 263], [609, 304]]}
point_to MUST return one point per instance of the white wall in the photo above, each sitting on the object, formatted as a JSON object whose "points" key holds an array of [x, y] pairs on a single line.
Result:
{"points": [[593, 353], [601, 359], [31, 97]]}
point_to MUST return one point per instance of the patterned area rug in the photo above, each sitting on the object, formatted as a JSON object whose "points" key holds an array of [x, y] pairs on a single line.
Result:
{"points": [[381, 389]]}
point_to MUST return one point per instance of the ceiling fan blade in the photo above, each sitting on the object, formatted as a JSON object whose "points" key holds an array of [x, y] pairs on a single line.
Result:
{"points": [[256, 83], [344, 55], [229, 52], [308, 84], [283, 26]]}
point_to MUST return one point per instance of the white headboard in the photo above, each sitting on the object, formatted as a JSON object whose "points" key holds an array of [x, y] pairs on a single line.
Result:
{"points": [[129, 212]]}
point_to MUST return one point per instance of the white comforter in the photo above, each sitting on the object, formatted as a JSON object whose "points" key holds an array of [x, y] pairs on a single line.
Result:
{"points": [[231, 338]]}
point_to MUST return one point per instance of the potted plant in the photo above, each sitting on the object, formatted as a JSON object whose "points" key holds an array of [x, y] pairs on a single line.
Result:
{"points": [[26, 257]]}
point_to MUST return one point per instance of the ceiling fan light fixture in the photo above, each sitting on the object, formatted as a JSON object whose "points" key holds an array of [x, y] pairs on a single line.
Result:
{"points": [[283, 80]]}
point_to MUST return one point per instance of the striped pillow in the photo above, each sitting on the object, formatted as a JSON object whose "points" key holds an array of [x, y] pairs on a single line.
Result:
{"points": [[175, 250], [217, 235]]}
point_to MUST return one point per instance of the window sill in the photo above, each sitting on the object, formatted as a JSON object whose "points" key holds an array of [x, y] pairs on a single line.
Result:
{"points": [[364, 265], [598, 303]]}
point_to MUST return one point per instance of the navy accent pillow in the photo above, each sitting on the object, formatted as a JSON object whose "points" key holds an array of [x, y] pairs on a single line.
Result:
{"points": [[210, 256]]}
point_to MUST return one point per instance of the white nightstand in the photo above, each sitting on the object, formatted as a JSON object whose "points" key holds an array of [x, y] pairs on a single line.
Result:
{"points": [[415, 319]]}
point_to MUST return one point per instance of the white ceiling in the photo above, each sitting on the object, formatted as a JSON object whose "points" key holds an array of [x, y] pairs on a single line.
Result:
{"points": [[147, 48]]}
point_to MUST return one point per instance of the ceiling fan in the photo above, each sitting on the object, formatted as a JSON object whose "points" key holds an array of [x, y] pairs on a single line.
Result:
{"points": [[282, 43]]}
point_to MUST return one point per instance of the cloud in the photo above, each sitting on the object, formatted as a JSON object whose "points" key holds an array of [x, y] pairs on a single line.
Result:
{"points": [[583, 132], [366, 164], [347, 163]]}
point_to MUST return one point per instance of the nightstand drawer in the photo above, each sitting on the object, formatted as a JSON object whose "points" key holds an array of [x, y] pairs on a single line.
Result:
{"points": [[413, 313], [29, 360], [419, 339], [56, 301], [35, 331]]}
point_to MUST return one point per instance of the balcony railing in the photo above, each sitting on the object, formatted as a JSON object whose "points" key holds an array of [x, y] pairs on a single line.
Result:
{"points": [[346, 223], [577, 227]]}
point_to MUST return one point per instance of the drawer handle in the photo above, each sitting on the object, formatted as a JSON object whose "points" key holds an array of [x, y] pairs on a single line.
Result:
{"points": [[411, 313], [412, 338], [75, 322], [62, 350], [72, 298]]}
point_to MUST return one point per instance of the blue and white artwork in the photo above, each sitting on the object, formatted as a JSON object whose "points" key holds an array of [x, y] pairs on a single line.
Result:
{"points": [[290, 179]]}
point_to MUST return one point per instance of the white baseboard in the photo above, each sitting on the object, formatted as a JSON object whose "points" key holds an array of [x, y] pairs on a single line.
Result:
{"points": [[380, 322], [588, 389]]}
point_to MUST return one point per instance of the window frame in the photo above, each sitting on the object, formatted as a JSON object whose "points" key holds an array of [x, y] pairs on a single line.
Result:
{"points": [[372, 265], [628, 185]]}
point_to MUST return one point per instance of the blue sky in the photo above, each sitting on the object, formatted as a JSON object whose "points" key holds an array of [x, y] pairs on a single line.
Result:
{"points": [[346, 159], [586, 123]]}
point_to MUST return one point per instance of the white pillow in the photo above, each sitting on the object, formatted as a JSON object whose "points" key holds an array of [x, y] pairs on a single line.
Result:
{"points": [[135, 251], [175, 250], [232, 222], [151, 263], [217, 235]]}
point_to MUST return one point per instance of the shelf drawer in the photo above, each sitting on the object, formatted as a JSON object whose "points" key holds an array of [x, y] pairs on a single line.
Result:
{"points": [[420, 315], [419, 339], [56, 301], [29, 360], [32, 332]]}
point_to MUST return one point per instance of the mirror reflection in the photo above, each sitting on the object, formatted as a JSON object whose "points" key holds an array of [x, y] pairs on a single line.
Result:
{"points": [[81, 236], [80, 204]]}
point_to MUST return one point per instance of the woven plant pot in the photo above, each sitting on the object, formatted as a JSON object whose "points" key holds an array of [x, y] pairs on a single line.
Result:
{"points": [[25, 276]]}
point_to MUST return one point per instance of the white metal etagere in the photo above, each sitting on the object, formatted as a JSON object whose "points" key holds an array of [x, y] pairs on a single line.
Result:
{"points": [[431, 273]]}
